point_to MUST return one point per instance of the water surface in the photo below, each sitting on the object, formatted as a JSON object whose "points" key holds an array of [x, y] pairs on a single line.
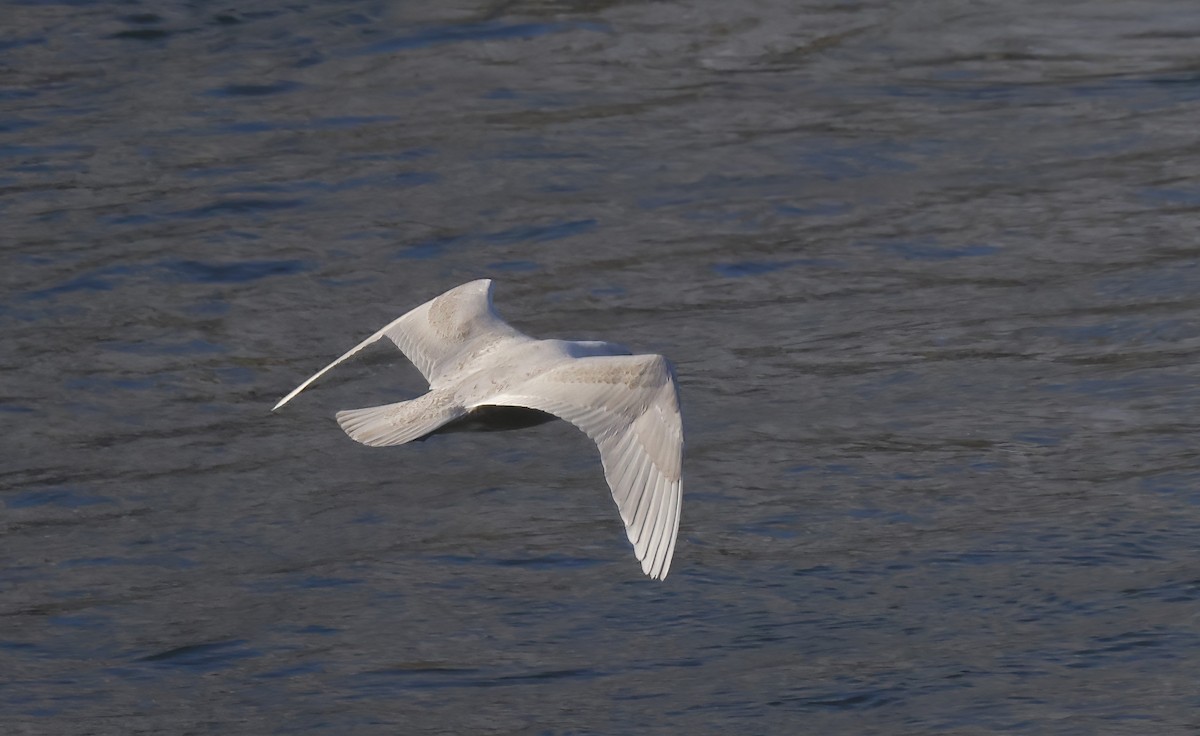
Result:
{"points": [[928, 272]]}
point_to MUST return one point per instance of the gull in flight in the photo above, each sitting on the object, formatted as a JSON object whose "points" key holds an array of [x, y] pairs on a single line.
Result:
{"points": [[484, 374]]}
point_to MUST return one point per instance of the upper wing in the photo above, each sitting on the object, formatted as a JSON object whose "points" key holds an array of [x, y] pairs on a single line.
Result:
{"points": [[440, 335], [629, 406]]}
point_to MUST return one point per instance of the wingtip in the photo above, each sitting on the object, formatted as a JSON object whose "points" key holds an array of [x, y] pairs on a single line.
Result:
{"points": [[655, 571], [292, 395], [659, 575]]}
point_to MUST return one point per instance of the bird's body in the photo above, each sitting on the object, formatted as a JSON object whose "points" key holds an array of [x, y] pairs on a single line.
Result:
{"points": [[484, 374]]}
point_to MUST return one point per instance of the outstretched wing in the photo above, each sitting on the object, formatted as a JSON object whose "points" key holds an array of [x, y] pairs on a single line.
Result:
{"points": [[629, 406], [440, 335]]}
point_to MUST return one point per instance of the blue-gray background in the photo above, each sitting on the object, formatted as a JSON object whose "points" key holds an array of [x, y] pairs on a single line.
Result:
{"points": [[928, 271]]}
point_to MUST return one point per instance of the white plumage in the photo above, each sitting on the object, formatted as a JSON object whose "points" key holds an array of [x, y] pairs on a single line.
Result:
{"points": [[475, 362]]}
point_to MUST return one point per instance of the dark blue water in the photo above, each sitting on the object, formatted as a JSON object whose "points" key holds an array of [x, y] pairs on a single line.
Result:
{"points": [[928, 272]]}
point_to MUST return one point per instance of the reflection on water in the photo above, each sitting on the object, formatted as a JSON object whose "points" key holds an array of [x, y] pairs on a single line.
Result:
{"points": [[928, 273]]}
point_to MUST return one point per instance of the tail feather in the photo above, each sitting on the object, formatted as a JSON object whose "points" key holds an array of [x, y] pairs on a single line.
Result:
{"points": [[395, 424]]}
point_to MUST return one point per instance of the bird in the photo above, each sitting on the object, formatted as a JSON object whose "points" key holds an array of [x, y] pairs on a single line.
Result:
{"points": [[484, 374]]}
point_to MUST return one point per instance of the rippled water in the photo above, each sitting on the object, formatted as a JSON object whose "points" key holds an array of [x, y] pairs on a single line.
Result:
{"points": [[928, 271]]}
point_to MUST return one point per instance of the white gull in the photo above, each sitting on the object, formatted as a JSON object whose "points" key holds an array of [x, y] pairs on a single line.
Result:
{"points": [[482, 373]]}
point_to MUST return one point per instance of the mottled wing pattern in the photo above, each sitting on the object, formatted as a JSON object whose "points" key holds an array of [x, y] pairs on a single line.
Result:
{"points": [[629, 406], [440, 335]]}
